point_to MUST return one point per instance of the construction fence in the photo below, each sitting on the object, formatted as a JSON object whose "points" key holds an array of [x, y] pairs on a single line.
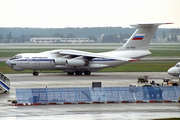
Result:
{"points": [[35, 96]]}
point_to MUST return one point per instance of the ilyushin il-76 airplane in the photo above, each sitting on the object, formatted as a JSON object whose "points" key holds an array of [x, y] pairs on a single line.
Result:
{"points": [[175, 70], [79, 62]]}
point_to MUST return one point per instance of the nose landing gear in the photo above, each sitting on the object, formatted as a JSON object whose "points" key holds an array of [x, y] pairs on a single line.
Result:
{"points": [[35, 73]]}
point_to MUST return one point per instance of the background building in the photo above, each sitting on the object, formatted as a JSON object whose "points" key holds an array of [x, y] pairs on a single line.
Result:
{"points": [[59, 40]]}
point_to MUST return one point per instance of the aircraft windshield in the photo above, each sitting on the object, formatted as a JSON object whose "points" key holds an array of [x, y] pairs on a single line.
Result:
{"points": [[16, 57], [177, 65]]}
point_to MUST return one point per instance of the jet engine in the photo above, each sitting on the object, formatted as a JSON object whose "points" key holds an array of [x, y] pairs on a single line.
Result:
{"points": [[76, 62], [60, 61]]}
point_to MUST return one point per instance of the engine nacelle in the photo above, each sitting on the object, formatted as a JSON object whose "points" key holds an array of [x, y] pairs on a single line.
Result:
{"points": [[76, 62], [60, 61]]}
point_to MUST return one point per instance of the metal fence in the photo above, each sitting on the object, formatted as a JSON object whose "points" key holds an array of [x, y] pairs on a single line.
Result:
{"points": [[98, 94]]}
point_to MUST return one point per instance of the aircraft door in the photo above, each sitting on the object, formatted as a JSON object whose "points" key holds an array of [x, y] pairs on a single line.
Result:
{"points": [[30, 63], [37, 63]]}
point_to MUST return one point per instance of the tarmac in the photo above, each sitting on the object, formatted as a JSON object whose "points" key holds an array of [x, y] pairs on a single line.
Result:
{"points": [[111, 111]]}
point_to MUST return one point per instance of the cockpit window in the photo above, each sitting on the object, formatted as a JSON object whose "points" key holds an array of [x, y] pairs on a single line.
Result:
{"points": [[16, 57], [177, 65]]}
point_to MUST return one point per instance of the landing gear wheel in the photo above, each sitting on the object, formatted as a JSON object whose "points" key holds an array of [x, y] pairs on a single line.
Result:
{"points": [[70, 73], [35, 73], [87, 72], [78, 72]]}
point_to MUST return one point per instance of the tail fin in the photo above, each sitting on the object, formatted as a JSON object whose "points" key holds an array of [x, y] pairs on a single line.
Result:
{"points": [[141, 37]]}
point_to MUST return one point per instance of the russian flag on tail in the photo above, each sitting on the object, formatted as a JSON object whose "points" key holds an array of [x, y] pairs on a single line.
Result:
{"points": [[138, 37]]}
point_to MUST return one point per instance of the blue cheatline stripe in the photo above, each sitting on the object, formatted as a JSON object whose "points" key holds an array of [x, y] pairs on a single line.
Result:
{"points": [[29, 60], [104, 60], [35, 60], [5, 86]]}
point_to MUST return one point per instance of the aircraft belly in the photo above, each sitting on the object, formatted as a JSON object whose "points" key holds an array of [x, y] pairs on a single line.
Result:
{"points": [[45, 66], [112, 63], [36, 65], [93, 65]]}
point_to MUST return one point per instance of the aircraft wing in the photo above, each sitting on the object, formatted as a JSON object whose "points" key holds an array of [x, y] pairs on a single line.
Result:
{"points": [[93, 55]]}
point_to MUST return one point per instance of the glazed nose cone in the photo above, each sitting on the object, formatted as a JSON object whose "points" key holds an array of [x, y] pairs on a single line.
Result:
{"points": [[8, 63]]}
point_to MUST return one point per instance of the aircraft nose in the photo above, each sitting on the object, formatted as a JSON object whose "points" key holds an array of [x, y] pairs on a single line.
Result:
{"points": [[170, 71], [8, 63]]}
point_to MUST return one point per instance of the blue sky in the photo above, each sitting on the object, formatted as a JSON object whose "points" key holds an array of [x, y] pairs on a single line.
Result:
{"points": [[88, 13]]}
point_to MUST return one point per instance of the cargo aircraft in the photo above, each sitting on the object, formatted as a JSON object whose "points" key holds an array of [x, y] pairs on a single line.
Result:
{"points": [[175, 70], [79, 62]]}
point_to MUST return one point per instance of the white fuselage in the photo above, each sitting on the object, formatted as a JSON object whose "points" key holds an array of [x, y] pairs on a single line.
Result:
{"points": [[50, 60]]}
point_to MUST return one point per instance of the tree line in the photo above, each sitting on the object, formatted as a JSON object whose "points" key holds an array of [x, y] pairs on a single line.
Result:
{"points": [[107, 34], [172, 38]]}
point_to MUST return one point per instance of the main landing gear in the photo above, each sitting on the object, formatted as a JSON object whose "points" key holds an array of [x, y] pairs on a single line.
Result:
{"points": [[35, 73], [87, 72], [80, 73]]}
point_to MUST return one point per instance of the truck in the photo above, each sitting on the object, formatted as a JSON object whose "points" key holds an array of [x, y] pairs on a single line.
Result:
{"points": [[142, 79]]}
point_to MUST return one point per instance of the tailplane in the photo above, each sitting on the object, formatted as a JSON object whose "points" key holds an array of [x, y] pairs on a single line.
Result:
{"points": [[141, 37]]}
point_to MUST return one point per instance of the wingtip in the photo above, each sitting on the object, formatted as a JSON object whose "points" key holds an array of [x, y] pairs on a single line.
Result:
{"points": [[133, 60], [169, 23]]}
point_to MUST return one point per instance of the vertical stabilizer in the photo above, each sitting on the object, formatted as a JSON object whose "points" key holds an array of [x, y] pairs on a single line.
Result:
{"points": [[141, 37]]}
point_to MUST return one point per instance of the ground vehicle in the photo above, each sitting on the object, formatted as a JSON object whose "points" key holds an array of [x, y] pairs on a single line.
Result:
{"points": [[170, 81], [142, 79]]}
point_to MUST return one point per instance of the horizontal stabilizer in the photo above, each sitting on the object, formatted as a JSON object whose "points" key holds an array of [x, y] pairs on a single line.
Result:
{"points": [[148, 24]]}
